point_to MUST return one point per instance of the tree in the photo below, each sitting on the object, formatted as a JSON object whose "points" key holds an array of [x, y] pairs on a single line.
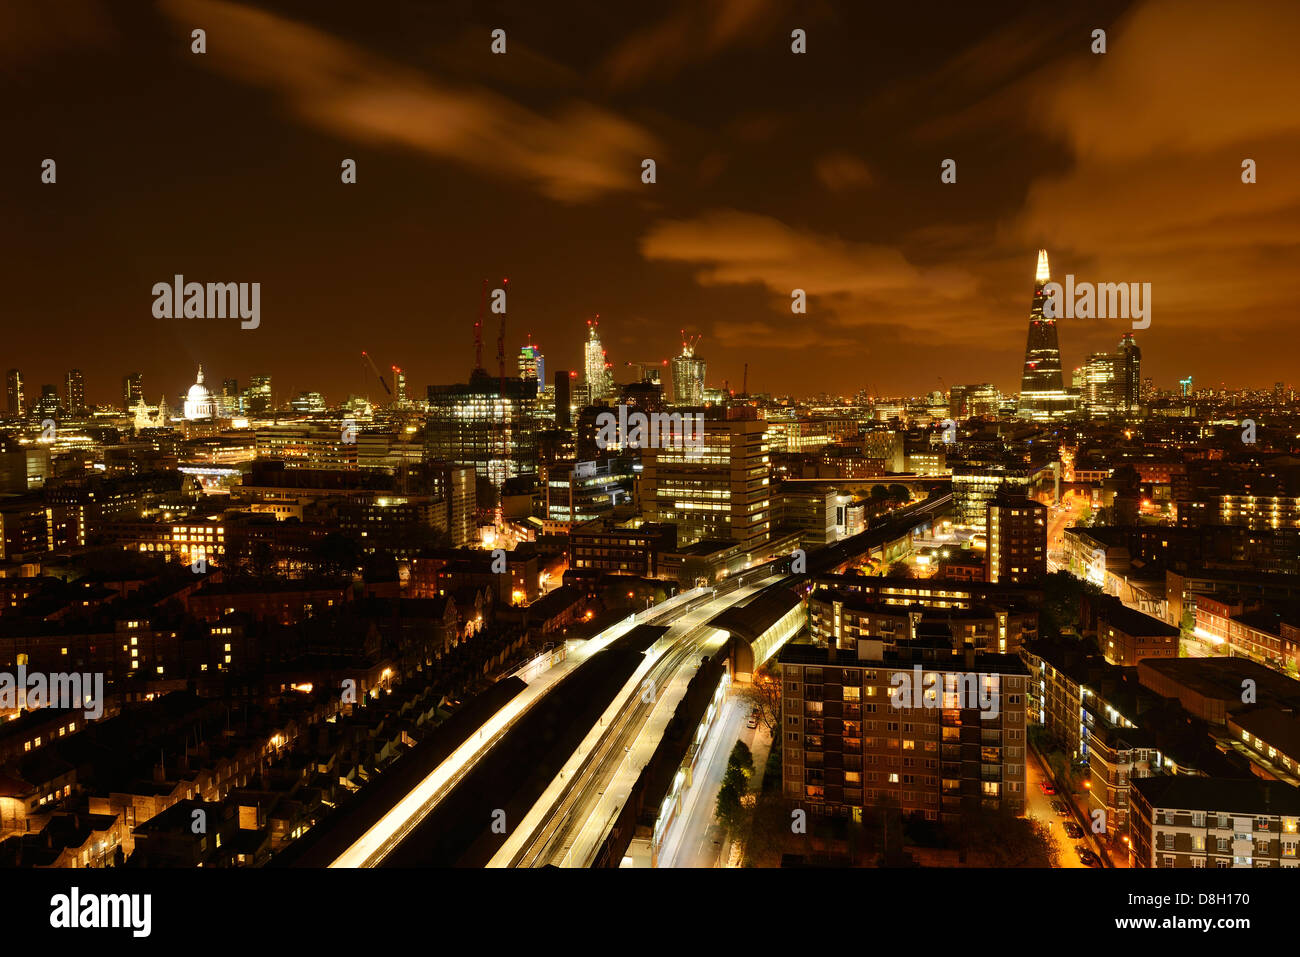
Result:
{"points": [[1062, 598], [769, 831], [742, 758], [729, 811], [735, 783], [764, 693], [1001, 839], [899, 493], [900, 570]]}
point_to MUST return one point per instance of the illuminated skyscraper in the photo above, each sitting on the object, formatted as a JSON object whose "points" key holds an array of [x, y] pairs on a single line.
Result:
{"points": [[600, 384], [258, 396], [14, 385], [1130, 370], [488, 423], [1110, 383], [1042, 395], [532, 364], [132, 389], [74, 392], [688, 375]]}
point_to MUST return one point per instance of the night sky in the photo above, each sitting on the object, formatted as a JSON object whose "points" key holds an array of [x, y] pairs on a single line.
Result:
{"points": [[775, 171]]}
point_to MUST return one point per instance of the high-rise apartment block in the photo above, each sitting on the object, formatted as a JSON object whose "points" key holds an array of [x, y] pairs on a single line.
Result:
{"points": [[934, 734], [1016, 552]]}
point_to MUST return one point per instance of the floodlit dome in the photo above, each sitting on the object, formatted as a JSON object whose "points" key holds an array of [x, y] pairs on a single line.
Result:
{"points": [[198, 402]]}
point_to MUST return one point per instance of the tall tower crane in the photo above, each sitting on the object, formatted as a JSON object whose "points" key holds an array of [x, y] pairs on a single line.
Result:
{"points": [[501, 339], [373, 368], [478, 328]]}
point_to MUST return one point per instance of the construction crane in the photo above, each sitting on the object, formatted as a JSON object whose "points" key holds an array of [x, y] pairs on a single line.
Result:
{"points": [[478, 328], [501, 339], [373, 368]]}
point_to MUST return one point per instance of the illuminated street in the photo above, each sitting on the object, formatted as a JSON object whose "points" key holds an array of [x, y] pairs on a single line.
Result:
{"points": [[694, 838]]}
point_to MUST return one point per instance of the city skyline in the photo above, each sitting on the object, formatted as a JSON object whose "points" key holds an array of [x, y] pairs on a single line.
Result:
{"points": [[582, 366], [909, 279]]}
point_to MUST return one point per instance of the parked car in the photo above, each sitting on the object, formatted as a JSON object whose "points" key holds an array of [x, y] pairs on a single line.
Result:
{"points": [[752, 722], [1073, 830], [1060, 808], [1046, 787], [1086, 856]]}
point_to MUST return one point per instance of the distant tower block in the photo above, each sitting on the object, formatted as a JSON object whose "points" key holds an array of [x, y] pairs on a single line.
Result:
{"points": [[688, 374]]}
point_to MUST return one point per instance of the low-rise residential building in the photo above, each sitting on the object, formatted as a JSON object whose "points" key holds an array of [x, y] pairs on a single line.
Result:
{"points": [[1195, 822], [1126, 636]]}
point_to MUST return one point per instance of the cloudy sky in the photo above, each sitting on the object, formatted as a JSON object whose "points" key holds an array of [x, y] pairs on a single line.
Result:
{"points": [[775, 171]]}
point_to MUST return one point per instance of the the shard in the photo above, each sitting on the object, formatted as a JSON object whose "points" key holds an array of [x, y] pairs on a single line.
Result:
{"points": [[1042, 393]]}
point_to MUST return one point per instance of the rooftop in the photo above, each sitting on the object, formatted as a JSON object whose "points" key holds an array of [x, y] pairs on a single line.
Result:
{"points": [[1223, 795]]}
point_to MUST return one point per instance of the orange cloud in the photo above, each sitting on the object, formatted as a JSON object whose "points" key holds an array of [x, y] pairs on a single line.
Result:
{"points": [[852, 287], [693, 32], [575, 154], [840, 171]]}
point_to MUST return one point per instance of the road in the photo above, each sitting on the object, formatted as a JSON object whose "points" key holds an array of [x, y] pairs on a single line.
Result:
{"points": [[567, 824], [1058, 520], [1039, 806], [694, 838]]}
